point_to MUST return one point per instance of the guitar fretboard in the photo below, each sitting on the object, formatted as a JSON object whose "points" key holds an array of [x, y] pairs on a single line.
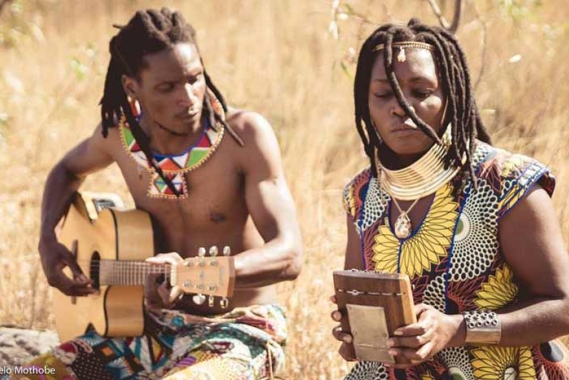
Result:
{"points": [[112, 272]]}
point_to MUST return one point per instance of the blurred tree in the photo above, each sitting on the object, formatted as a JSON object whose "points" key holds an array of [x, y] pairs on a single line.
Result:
{"points": [[457, 11], [4, 3]]}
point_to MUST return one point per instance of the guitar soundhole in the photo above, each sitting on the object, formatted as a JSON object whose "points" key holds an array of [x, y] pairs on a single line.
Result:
{"points": [[95, 269]]}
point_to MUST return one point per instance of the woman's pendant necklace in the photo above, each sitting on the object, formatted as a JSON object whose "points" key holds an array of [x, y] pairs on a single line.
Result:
{"points": [[403, 226]]}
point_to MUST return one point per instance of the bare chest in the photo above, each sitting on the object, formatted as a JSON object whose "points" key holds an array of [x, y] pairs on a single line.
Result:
{"points": [[214, 204]]}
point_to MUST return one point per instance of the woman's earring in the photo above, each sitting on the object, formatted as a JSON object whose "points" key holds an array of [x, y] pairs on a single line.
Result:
{"points": [[377, 164], [379, 139]]}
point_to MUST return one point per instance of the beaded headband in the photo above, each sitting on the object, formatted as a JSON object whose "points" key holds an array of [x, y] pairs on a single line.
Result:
{"points": [[406, 44]]}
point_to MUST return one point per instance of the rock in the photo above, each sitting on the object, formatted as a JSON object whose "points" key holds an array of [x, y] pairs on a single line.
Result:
{"points": [[19, 346]]}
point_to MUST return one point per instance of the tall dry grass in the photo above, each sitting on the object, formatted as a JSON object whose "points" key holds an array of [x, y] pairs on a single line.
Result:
{"points": [[277, 58]]}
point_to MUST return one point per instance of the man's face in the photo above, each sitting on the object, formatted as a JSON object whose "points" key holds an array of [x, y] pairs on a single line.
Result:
{"points": [[171, 89], [417, 77]]}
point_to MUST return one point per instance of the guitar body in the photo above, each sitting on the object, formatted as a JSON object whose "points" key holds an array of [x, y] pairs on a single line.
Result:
{"points": [[110, 234]]}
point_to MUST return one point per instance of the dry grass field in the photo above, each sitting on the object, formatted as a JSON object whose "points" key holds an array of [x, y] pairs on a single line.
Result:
{"points": [[276, 57]]}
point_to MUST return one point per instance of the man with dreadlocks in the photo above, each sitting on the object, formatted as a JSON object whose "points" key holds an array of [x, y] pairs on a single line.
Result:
{"points": [[472, 226], [209, 175]]}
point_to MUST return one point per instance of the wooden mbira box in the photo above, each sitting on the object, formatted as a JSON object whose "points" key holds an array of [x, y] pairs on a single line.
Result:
{"points": [[376, 304]]}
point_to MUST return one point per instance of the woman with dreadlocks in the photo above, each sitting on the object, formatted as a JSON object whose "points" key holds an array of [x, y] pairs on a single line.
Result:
{"points": [[472, 226], [210, 176]]}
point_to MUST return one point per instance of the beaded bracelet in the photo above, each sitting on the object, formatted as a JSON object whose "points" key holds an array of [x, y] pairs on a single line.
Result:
{"points": [[482, 327]]}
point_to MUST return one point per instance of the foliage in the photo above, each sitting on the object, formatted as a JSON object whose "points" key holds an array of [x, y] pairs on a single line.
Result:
{"points": [[19, 24]]}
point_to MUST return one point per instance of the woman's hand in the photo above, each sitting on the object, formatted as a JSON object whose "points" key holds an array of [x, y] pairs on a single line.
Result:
{"points": [[157, 293], [433, 331], [345, 350], [416, 342]]}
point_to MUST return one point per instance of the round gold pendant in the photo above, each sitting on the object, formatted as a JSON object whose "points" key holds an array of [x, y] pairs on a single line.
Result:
{"points": [[403, 227]]}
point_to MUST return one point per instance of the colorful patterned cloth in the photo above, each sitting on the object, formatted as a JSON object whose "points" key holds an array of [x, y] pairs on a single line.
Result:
{"points": [[244, 344], [456, 264]]}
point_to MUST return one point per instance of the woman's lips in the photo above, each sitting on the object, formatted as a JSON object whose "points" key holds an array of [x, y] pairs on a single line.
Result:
{"points": [[408, 126]]}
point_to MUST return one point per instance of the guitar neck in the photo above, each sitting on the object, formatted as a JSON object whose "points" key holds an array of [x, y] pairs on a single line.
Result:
{"points": [[214, 276], [122, 272]]}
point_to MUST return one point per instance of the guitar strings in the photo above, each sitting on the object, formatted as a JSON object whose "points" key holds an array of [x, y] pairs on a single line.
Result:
{"points": [[136, 265], [127, 272]]}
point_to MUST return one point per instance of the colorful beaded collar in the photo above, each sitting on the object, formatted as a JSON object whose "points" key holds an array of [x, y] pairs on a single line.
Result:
{"points": [[174, 166]]}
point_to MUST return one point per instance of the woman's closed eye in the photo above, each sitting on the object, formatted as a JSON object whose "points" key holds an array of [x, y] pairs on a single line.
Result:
{"points": [[422, 93], [383, 94]]}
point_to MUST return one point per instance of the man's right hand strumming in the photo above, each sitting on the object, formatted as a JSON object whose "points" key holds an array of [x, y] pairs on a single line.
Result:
{"points": [[54, 257]]}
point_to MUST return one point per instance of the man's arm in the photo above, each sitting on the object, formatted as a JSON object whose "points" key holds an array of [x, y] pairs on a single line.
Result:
{"points": [[271, 207], [63, 181]]}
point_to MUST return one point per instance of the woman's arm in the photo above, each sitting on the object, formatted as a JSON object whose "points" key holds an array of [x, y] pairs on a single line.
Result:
{"points": [[531, 241]]}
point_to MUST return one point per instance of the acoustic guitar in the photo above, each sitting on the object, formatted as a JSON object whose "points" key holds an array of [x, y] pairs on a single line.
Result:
{"points": [[110, 246]]}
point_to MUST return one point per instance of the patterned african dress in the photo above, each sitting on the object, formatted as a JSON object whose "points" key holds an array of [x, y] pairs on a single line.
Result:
{"points": [[456, 264], [244, 344]]}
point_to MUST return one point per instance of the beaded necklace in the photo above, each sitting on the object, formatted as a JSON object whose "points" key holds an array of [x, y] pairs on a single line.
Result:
{"points": [[176, 166]]}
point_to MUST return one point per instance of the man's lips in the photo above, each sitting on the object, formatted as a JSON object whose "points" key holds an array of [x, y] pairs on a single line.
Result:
{"points": [[189, 114]]}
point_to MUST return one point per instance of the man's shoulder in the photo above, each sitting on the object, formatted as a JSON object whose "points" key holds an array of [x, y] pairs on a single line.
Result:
{"points": [[102, 143], [104, 133], [108, 139], [249, 125], [261, 148]]}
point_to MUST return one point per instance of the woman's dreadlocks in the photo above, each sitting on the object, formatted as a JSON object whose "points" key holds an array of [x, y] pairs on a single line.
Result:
{"points": [[461, 112]]}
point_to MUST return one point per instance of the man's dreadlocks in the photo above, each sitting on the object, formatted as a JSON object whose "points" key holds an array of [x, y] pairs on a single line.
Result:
{"points": [[148, 31], [461, 112]]}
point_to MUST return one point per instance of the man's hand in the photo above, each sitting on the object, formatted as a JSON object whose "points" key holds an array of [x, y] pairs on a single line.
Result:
{"points": [[158, 294], [54, 257]]}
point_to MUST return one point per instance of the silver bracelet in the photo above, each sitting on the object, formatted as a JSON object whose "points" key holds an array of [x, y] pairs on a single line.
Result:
{"points": [[482, 327]]}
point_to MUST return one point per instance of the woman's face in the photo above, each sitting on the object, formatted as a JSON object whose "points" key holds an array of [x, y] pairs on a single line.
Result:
{"points": [[418, 79]]}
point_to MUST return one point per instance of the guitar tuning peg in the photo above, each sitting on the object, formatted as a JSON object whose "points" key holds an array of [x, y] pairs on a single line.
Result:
{"points": [[224, 303], [226, 251], [198, 299], [213, 251], [210, 301], [201, 252]]}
